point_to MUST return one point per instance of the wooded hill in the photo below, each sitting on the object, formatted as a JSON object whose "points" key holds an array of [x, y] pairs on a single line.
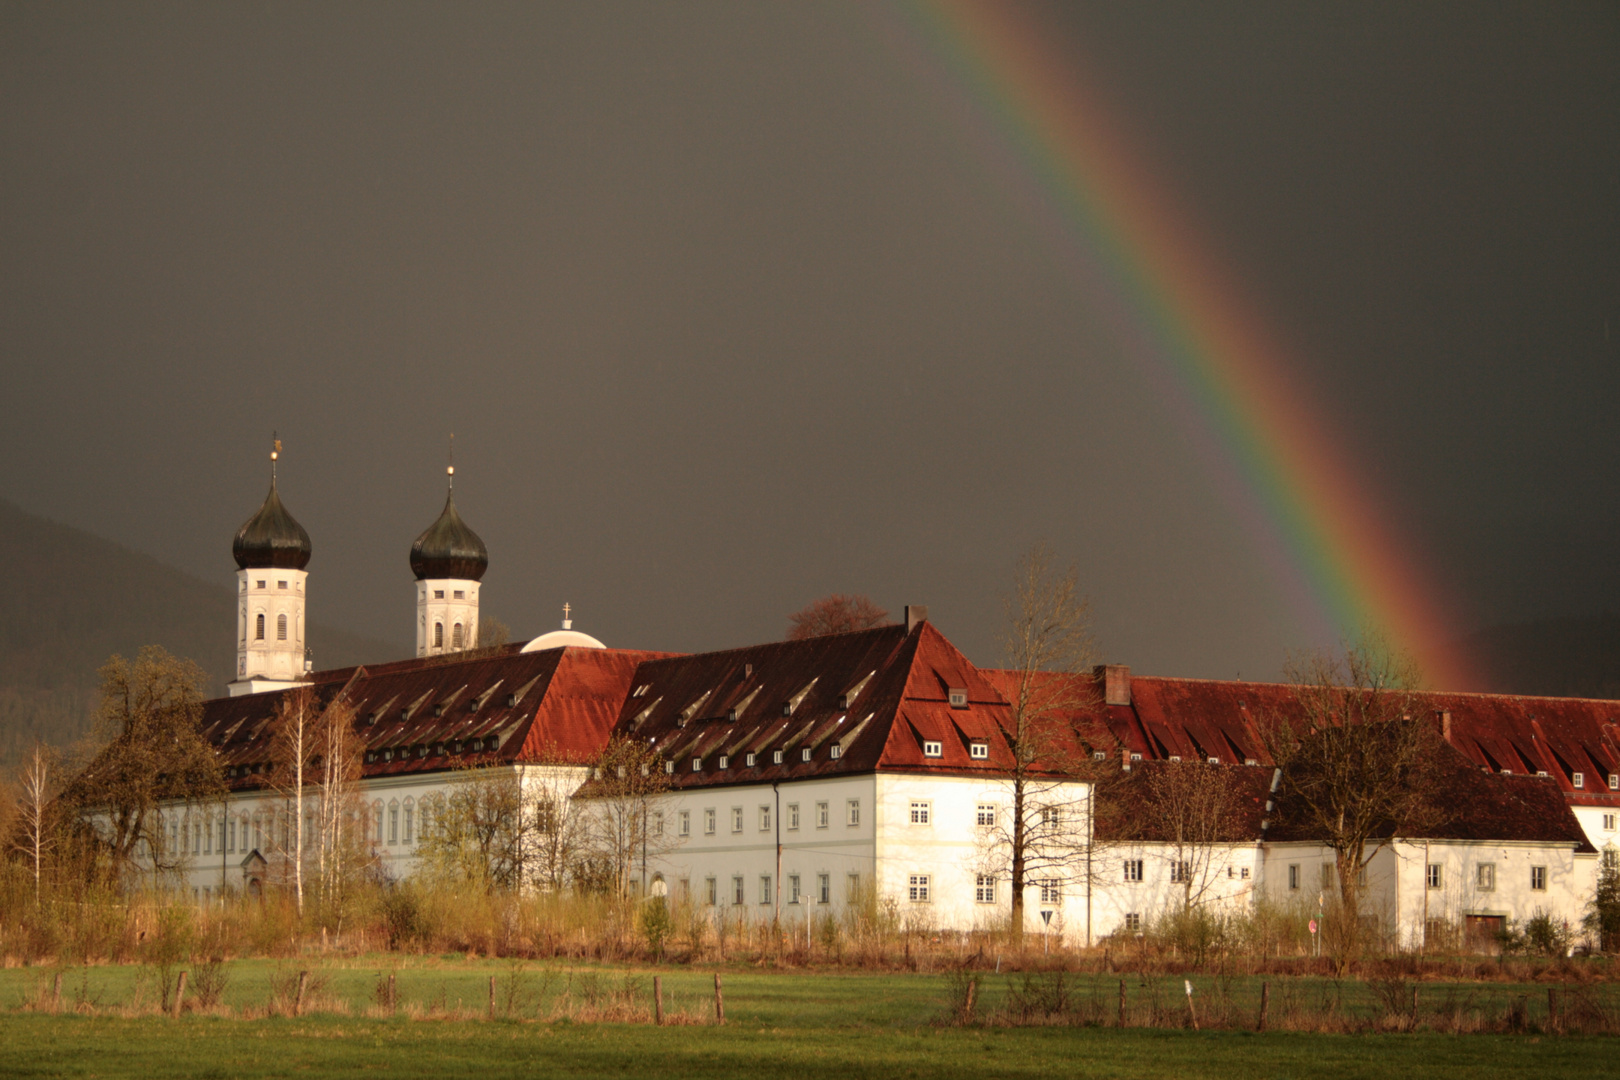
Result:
{"points": [[72, 599]]}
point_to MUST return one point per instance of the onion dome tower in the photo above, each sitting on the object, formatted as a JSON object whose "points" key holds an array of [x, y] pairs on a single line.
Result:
{"points": [[271, 551], [448, 561]]}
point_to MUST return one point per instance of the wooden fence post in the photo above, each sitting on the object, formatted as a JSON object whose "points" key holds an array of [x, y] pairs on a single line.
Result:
{"points": [[179, 994], [56, 994], [972, 995], [719, 1001], [298, 1002], [492, 997], [658, 999], [1552, 1008], [1265, 1004], [393, 1006], [1122, 1003], [1190, 1011]]}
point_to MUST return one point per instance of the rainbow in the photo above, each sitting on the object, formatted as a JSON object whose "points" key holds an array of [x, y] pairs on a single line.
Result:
{"points": [[1317, 527]]}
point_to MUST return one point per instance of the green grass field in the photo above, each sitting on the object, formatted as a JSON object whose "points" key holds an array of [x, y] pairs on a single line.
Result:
{"points": [[778, 1024]]}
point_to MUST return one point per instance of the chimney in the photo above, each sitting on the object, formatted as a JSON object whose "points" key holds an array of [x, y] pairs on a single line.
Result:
{"points": [[1116, 680], [1445, 724], [915, 614], [1125, 758]]}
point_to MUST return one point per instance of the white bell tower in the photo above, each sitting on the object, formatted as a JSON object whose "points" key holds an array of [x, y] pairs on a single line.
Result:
{"points": [[271, 551], [448, 560]]}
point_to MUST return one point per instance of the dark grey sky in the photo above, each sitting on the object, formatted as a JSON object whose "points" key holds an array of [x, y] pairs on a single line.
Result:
{"points": [[727, 313]]}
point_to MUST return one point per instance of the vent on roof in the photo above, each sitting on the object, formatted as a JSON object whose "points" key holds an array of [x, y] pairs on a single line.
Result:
{"points": [[748, 671], [733, 713], [835, 752], [958, 698], [932, 748], [640, 690], [438, 710], [371, 720], [511, 700]]}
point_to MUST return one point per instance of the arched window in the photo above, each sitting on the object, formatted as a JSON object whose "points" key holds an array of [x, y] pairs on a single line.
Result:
{"points": [[438, 635], [281, 628], [410, 812], [376, 809], [260, 634], [455, 637], [393, 823]]}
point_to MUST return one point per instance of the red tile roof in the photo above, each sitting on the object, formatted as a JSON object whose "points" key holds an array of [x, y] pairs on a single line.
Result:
{"points": [[425, 715]]}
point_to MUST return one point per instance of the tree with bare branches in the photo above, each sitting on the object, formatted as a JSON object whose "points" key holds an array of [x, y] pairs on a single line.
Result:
{"points": [[835, 613], [33, 826], [1194, 810], [151, 752], [623, 822], [1357, 759], [1045, 835], [294, 751], [340, 849]]}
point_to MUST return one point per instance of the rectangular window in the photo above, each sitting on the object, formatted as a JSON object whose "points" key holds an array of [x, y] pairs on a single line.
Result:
{"points": [[683, 823], [822, 815], [917, 888], [658, 823], [1437, 876], [711, 891], [736, 819], [459, 594], [1485, 877], [765, 819], [919, 812], [1608, 822], [1133, 922], [393, 824], [1180, 873], [979, 751], [410, 813], [793, 817], [1538, 878], [1051, 892], [231, 836], [737, 891], [1327, 875], [748, 759], [1050, 817], [765, 888], [932, 749], [708, 821], [1578, 781], [208, 840], [854, 813], [1245, 874], [824, 888], [1614, 781], [793, 888], [1611, 859], [776, 757], [985, 817], [1293, 876], [957, 699], [1133, 869], [984, 889]]}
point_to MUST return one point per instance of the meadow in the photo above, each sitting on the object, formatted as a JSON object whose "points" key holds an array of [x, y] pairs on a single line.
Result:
{"points": [[598, 1020]]}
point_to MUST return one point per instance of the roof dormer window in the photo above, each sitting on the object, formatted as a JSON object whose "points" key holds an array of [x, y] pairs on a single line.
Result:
{"points": [[958, 698], [749, 760], [725, 761], [1578, 780], [804, 755], [979, 751], [933, 749], [776, 757], [835, 751]]}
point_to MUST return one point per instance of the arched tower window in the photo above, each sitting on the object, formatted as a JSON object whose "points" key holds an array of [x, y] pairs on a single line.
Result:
{"points": [[438, 635], [455, 637], [259, 635], [281, 628]]}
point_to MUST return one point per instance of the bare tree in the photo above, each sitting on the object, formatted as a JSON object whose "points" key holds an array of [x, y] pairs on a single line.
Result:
{"points": [[32, 830], [623, 823], [151, 752], [294, 749], [1195, 810], [835, 614], [339, 846], [1047, 646], [1357, 757], [557, 836]]}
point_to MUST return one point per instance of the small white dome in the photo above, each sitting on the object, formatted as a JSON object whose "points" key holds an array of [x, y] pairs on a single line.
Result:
{"points": [[558, 639]]}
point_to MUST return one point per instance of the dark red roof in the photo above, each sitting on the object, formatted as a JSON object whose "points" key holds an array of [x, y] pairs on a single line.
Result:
{"points": [[424, 715]]}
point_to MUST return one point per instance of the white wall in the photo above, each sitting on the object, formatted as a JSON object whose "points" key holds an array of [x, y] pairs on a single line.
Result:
{"points": [[438, 603], [269, 662]]}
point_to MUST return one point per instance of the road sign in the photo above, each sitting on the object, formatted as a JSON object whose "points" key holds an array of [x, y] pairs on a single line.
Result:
{"points": [[1313, 926], [1046, 917]]}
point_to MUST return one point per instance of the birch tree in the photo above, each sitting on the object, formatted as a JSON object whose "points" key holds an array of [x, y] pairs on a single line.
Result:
{"points": [[294, 751], [623, 821], [340, 752], [33, 833]]}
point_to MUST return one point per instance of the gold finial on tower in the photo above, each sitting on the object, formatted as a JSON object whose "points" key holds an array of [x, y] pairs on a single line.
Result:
{"points": [[450, 470]]}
